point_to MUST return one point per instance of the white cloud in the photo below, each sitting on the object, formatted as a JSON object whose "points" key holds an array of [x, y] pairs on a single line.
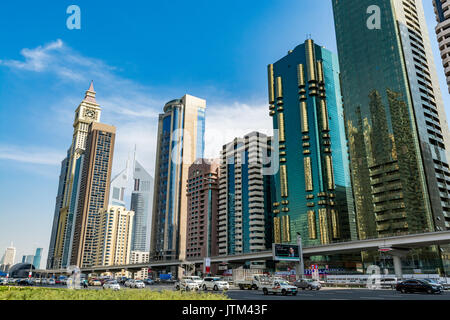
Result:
{"points": [[131, 107], [31, 154]]}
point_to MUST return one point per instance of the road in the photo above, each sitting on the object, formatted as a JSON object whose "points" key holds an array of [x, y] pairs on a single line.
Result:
{"points": [[323, 294]]}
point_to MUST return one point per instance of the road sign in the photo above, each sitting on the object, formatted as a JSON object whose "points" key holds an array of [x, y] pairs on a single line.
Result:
{"points": [[387, 249]]}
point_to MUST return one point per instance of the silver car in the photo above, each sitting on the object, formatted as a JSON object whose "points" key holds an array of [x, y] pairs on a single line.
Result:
{"points": [[309, 284]]}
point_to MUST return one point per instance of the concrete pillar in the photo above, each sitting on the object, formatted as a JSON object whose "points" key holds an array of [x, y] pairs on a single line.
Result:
{"points": [[398, 267]]}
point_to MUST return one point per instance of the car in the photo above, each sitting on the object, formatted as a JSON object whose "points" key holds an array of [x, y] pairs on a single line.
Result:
{"points": [[3, 281], [37, 281], [419, 285], [95, 283], [280, 286], [137, 284], [309, 284], [113, 285], [25, 282], [51, 282], [128, 283], [214, 283], [196, 279], [149, 282], [187, 285]]}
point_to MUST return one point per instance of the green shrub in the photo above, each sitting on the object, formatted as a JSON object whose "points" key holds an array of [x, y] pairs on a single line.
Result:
{"points": [[17, 293]]}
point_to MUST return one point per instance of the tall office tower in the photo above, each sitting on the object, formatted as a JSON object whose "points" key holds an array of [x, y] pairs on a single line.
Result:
{"points": [[441, 8], [141, 204], [313, 187], [245, 196], [181, 131], [202, 194], [58, 206], [28, 259], [93, 192], [9, 257], [139, 257], [113, 237], [87, 112], [395, 119], [37, 258], [119, 185], [396, 123]]}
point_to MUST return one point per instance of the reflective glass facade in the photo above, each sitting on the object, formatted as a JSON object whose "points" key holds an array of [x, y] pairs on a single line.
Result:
{"points": [[313, 187], [180, 142]]}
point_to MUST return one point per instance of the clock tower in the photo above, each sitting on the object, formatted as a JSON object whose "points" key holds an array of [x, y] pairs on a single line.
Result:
{"points": [[88, 111]]}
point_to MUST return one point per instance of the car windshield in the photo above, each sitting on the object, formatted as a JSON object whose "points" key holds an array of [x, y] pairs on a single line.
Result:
{"points": [[284, 283], [216, 279], [196, 278], [188, 281], [112, 282], [430, 281]]}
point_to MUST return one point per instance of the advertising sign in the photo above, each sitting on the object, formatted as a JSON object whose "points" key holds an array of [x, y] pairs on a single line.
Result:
{"points": [[286, 252]]}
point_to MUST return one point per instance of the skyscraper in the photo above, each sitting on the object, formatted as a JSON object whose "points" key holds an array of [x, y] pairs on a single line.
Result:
{"points": [[9, 257], [37, 258], [113, 236], [203, 193], [245, 196], [181, 131], [443, 33], [87, 112], [396, 122], [93, 193], [313, 187], [395, 119], [141, 205]]}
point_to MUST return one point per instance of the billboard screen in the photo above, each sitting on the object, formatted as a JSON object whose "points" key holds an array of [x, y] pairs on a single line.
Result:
{"points": [[286, 252]]}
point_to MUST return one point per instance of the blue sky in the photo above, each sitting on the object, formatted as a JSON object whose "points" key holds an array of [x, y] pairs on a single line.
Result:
{"points": [[140, 54]]}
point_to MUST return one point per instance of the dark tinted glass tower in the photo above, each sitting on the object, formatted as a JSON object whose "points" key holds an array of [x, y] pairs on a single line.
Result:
{"points": [[313, 188], [396, 124]]}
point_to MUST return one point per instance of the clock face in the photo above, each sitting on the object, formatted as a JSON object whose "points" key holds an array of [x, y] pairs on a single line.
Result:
{"points": [[90, 114]]}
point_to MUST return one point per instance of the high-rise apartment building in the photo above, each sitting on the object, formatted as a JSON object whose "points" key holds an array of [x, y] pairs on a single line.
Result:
{"points": [[441, 8], [181, 131], [396, 123], [58, 205], [93, 192], [395, 119], [202, 195], [313, 188], [113, 237], [87, 112], [138, 257], [245, 196]]}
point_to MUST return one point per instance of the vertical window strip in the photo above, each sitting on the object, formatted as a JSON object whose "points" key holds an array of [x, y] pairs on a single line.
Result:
{"points": [[283, 182], [271, 84], [279, 88], [335, 223], [310, 58], [304, 116], [301, 75], [330, 173], [312, 228], [308, 174], [281, 128], [324, 110], [323, 225]]}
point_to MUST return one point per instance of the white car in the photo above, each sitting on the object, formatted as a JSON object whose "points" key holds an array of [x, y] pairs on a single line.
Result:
{"points": [[214, 283], [137, 284], [280, 286], [51, 282], [113, 285], [187, 285], [196, 279]]}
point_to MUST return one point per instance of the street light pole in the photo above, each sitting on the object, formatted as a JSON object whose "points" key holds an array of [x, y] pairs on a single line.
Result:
{"points": [[301, 267]]}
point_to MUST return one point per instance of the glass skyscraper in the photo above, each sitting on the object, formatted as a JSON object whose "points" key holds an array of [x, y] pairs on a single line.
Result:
{"points": [[395, 119], [141, 204], [181, 131], [313, 188]]}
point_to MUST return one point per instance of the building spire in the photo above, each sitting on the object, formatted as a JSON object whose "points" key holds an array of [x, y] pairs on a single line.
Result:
{"points": [[90, 94]]}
